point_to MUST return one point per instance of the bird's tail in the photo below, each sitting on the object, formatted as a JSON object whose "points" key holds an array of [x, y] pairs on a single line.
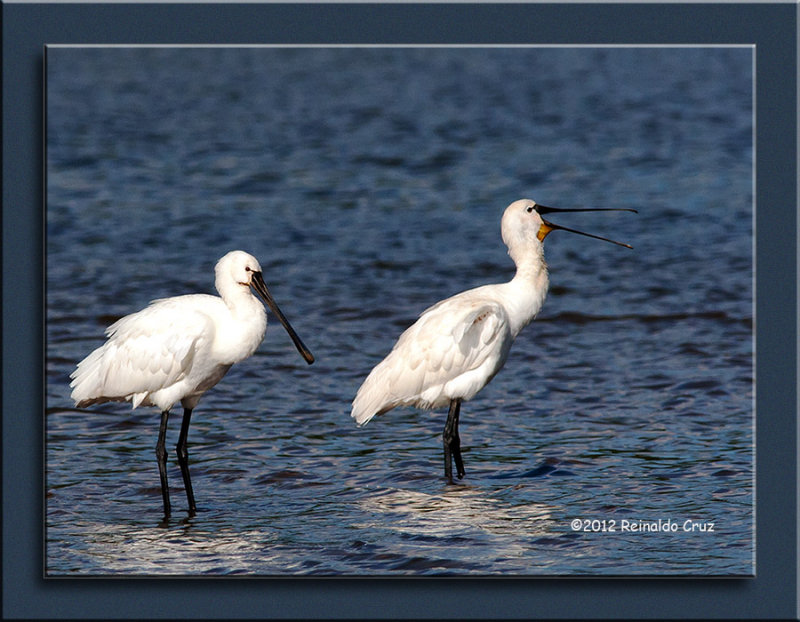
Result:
{"points": [[86, 380], [364, 408], [372, 399], [89, 385]]}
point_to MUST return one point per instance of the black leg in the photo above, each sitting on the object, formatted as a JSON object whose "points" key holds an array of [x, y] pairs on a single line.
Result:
{"points": [[183, 458], [161, 456], [455, 445], [452, 442]]}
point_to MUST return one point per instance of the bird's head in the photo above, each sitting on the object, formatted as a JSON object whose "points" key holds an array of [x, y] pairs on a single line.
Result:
{"points": [[242, 269], [524, 224], [238, 267]]}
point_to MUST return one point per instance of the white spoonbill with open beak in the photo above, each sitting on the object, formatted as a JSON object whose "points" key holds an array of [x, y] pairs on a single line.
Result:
{"points": [[177, 348], [458, 345]]}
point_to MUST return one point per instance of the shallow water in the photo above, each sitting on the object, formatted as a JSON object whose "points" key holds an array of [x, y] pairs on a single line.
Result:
{"points": [[370, 184]]}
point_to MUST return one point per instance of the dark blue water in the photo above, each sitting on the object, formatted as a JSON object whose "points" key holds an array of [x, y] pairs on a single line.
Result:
{"points": [[370, 183]]}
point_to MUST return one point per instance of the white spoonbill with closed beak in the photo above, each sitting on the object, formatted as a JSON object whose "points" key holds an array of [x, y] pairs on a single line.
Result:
{"points": [[458, 345], [177, 348]]}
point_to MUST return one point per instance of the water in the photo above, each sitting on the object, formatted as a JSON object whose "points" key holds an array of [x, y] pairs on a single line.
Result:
{"points": [[370, 184]]}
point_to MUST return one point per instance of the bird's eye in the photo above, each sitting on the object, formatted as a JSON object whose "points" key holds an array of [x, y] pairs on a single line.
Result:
{"points": [[529, 209], [247, 268]]}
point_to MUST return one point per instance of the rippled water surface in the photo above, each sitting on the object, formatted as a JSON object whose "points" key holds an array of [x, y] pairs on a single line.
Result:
{"points": [[370, 184]]}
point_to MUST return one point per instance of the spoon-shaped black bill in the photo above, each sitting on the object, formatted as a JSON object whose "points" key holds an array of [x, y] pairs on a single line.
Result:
{"points": [[543, 209], [547, 227], [261, 287]]}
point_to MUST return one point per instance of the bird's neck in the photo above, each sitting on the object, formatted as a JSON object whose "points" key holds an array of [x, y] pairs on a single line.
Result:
{"points": [[239, 339], [243, 304], [528, 289], [240, 300]]}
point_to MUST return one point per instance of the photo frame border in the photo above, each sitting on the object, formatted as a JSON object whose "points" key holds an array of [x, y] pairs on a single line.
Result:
{"points": [[771, 28]]}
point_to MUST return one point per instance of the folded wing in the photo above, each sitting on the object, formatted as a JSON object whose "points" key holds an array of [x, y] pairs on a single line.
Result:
{"points": [[452, 350]]}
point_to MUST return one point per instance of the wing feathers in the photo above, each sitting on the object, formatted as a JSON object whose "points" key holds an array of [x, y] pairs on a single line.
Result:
{"points": [[143, 354], [449, 340]]}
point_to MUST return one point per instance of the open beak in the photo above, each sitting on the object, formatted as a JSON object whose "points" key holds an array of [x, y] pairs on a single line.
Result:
{"points": [[547, 226], [258, 284]]}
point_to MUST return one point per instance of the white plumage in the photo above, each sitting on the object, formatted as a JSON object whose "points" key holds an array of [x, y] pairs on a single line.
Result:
{"points": [[459, 344], [168, 352], [177, 348], [452, 351]]}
